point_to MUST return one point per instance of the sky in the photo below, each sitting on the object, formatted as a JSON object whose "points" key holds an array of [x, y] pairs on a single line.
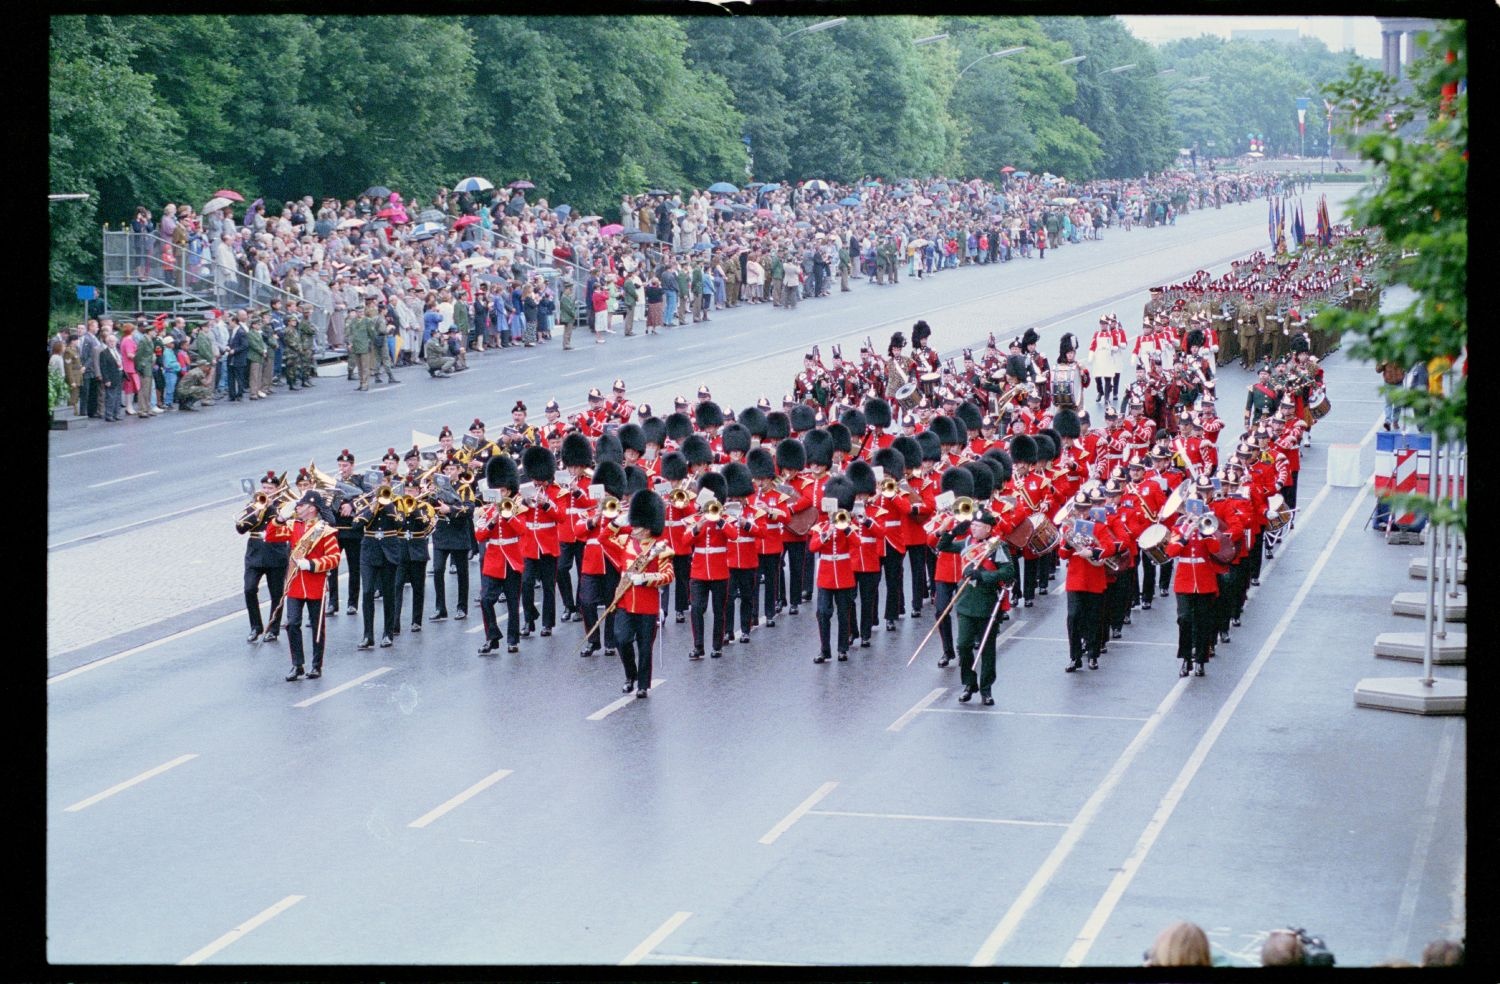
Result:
{"points": [[1363, 31]]}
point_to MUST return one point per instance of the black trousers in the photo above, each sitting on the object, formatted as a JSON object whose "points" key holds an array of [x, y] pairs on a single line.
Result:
{"points": [[831, 602], [413, 572], [275, 582], [239, 379], [770, 573], [677, 592], [971, 632], [1195, 626], [88, 396], [799, 583], [916, 560], [569, 566], [895, 590], [1117, 601], [945, 593], [1257, 555], [377, 575], [1154, 576], [1085, 609], [440, 561], [1289, 492], [867, 585], [540, 570], [492, 588], [1031, 576], [350, 548], [311, 609], [637, 637], [595, 591], [701, 592], [741, 597]]}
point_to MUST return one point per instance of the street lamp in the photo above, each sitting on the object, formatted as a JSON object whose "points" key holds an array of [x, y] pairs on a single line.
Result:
{"points": [[1006, 52], [80, 196], [814, 28], [1119, 68], [1165, 71], [1072, 61], [930, 40]]}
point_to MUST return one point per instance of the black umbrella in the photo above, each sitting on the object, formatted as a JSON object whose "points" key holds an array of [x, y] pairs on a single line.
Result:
{"points": [[642, 237], [377, 191], [658, 191]]}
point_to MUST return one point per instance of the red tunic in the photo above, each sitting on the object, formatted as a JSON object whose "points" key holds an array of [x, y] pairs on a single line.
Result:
{"points": [[711, 551], [835, 550], [542, 538], [642, 599], [324, 557], [743, 543], [1082, 575], [502, 538], [1194, 572]]}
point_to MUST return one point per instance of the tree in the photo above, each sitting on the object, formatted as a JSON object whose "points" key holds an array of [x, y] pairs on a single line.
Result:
{"points": [[1419, 207]]}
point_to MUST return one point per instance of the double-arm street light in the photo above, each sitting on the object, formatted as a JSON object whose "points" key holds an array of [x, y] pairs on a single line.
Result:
{"points": [[1003, 53], [814, 28]]}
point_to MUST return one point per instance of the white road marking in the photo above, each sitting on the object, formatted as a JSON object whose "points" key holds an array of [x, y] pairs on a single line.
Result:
{"points": [[231, 454], [1407, 910], [434, 406], [918, 816], [241, 930], [142, 648], [458, 800], [655, 939], [1123, 876], [639, 358], [576, 372], [1112, 642], [916, 709], [1040, 714], [695, 345], [74, 454], [795, 815], [299, 406], [625, 701], [342, 687], [121, 787], [204, 427], [127, 478], [145, 522], [509, 389], [335, 430], [524, 358], [1043, 875]]}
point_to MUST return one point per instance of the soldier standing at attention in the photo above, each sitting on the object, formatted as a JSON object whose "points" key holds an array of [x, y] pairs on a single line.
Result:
{"points": [[363, 335], [262, 560]]}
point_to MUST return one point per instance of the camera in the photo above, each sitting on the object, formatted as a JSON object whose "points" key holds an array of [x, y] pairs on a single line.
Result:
{"points": [[1315, 952]]}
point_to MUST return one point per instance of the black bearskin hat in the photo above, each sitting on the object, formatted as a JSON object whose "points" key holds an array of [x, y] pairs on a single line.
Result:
{"points": [[943, 428], [576, 450], [910, 451], [891, 461], [632, 438], [959, 482], [983, 476], [971, 415], [608, 448], [803, 418], [842, 439], [636, 480], [735, 438], [877, 413], [920, 331], [737, 477], [761, 463], [1029, 339], [840, 488], [1046, 446], [753, 419], [1067, 424], [611, 476], [1015, 367], [818, 445], [962, 429], [697, 451], [778, 426], [1023, 449], [854, 420], [648, 512], [932, 448], [1000, 464], [655, 430], [790, 455], [500, 473], [707, 414], [679, 426], [538, 464], [1299, 344], [674, 467], [1195, 339], [714, 482], [862, 476], [1067, 344]]}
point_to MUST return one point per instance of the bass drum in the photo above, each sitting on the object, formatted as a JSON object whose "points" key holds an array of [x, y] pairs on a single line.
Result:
{"points": [[1278, 513], [1317, 404], [1153, 543], [907, 397], [1066, 385]]}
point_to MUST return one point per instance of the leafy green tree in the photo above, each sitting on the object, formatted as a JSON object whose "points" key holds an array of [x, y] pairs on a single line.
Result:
{"points": [[1419, 207], [745, 52]]}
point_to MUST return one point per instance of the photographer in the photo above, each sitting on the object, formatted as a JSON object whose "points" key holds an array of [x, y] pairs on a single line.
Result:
{"points": [[1294, 948]]}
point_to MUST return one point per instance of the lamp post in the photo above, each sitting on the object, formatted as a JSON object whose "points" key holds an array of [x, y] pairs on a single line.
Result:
{"points": [[1003, 53], [81, 196], [1071, 61], [930, 40], [814, 28], [1119, 68]]}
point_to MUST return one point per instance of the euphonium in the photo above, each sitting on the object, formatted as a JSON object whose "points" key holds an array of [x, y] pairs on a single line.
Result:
{"points": [[405, 504], [1208, 526], [320, 479]]}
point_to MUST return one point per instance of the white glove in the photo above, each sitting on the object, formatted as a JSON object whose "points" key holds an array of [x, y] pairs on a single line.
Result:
{"points": [[637, 579], [305, 564]]}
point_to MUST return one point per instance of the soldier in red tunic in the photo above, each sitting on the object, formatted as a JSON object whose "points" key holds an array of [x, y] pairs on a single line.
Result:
{"points": [[644, 561], [834, 541], [708, 571], [500, 535], [315, 551]]}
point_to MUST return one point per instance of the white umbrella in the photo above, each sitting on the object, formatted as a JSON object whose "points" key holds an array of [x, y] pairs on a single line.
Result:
{"points": [[214, 204], [816, 184], [473, 185], [351, 223], [477, 261]]}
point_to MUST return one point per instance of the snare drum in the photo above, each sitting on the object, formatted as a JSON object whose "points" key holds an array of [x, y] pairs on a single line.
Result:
{"points": [[1044, 536], [1317, 403], [1278, 513], [1065, 386], [1153, 543], [907, 397]]}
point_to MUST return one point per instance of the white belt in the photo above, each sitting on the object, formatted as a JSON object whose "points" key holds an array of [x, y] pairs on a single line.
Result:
{"points": [[744, 540], [869, 539], [540, 526], [1192, 560], [711, 550], [505, 543], [575, 511], [773, 526], [676, 522], [835, 556], [892, 522]]}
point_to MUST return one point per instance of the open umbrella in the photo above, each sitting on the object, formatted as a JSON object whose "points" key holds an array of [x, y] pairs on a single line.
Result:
{"points": [[722, 188], [938, 186], [232, 195], [816, 184], [722, 207], [473, 185], [425, 230], [522, 184], [658, 191], [642, 237], [755, 184], [291, 263], [351, 223], [431, 215], [851, 201], [385, 213], [827, 208], [872, 184], [214, 204], [900, 194], [467, 220], [763, 213], [770, 187], [741, 207], [919, 243], [1021, 174], [613, 229], [563, 210], [377, 191], [476, 261], [1007, 169]]}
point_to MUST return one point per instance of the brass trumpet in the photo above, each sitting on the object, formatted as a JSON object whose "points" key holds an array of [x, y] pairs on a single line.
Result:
{"points": [[609, 508], [889, 486], [713, 511], [963, 508], [507, 507], [841, 519], [680, 497]]}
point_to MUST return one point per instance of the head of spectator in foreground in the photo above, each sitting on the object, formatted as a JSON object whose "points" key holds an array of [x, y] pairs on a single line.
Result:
{"points": [[1182, 944], [1443, 953], [1282, 948]]}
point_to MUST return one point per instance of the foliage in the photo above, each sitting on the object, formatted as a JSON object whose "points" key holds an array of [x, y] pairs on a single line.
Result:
{"points": [[1419, 203], [57, 390]]}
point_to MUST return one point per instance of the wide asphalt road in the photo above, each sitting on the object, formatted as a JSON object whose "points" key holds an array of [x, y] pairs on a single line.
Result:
{"points": [[424, 805]]}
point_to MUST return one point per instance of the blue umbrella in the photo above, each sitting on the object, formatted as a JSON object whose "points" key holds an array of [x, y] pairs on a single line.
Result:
{"points": [[473, 185], [1021, 174], [563, 210], [900, 194], [722, 188], [770, 187], [828, 208], [851, 200], [721, 207]]}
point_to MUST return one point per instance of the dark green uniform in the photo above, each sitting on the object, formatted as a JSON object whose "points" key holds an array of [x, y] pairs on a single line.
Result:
{"points": [[975, 607]]}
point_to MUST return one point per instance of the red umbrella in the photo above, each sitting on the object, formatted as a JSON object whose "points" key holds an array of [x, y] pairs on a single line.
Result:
{"points": [[764, 213], [613, 229], [467, 220], [233, 196], [385, 213], [1006, 169]]}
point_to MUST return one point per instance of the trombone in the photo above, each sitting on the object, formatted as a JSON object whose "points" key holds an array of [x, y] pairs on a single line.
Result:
{"points": [[258, 505]]}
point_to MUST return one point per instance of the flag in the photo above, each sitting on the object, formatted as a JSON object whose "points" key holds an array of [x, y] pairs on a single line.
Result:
{"points": [[1299, 231], [1325, 227], [1271, 221]]}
